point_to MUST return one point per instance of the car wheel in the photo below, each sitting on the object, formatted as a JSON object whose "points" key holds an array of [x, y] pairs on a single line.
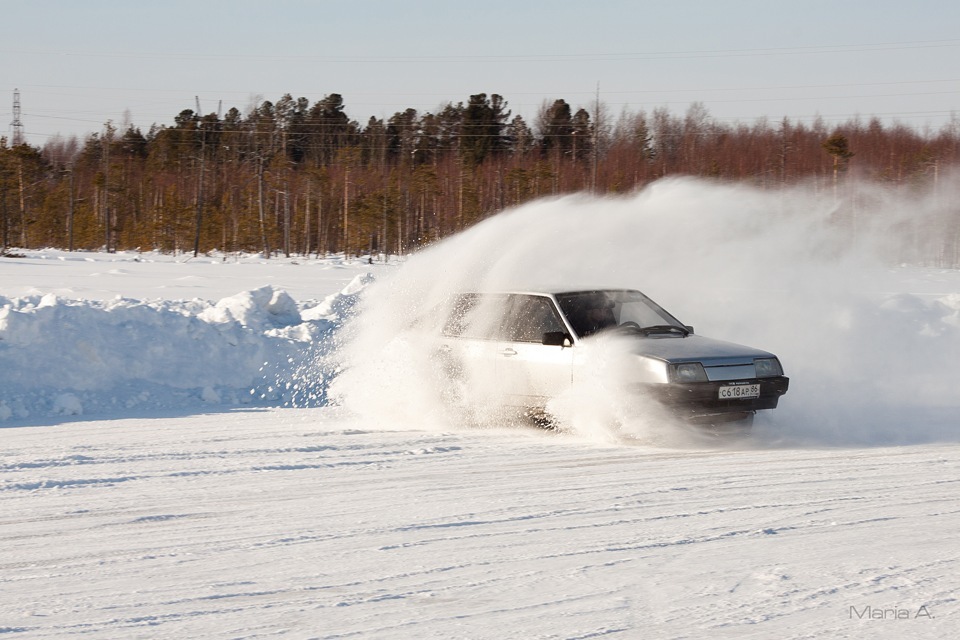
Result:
{"points": [[541, 419]]}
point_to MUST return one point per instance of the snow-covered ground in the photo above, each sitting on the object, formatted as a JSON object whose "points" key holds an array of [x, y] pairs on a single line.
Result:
{"points": [[231, 447]]}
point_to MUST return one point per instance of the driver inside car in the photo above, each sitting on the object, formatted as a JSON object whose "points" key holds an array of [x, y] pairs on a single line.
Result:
{"points": [[597, 316]]}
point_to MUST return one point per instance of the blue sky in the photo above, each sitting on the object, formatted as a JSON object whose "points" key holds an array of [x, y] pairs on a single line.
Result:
{"points": [[78, 64]]}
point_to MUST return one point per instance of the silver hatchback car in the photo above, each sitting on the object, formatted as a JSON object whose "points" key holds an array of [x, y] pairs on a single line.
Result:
{"points": [[526, 348]]}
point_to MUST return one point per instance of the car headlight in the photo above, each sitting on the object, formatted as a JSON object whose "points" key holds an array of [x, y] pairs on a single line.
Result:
{"points": [[767, 367], [687, 372]]}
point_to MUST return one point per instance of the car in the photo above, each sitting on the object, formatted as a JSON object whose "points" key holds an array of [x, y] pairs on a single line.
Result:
{"points": [[521, 349]]}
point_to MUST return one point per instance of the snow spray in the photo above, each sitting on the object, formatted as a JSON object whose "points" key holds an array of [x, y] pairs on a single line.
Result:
{"points": [[792, 270]]}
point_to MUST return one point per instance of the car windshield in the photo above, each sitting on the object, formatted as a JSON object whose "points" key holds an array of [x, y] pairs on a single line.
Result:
{"points": [[593, 311]]}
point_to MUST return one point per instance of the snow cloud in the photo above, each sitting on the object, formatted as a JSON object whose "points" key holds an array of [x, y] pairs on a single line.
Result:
{"points": [[873, 350]]}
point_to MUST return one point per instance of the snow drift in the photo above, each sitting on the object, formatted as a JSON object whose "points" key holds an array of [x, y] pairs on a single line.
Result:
{"points": [[67, 357]]}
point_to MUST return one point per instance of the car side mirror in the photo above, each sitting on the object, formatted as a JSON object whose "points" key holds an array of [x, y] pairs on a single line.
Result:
{"points": [[557, 339]]}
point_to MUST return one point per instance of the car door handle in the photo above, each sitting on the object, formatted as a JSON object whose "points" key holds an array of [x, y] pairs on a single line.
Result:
{"points": [[508, 352]]}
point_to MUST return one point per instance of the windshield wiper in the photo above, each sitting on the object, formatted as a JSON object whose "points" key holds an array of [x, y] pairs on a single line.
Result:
{"points": [[664, 328]]}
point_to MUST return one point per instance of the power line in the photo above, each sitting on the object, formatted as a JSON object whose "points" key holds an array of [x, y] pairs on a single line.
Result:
{"points": [[539, 57]]}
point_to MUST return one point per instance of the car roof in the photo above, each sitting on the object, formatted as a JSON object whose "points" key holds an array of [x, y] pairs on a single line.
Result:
{"points": [[547, 291]]}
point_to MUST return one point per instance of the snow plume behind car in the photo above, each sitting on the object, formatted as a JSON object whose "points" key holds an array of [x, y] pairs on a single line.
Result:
{"points": [[792, 271]]}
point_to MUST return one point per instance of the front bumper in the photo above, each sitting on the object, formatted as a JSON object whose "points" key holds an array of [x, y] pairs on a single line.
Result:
{"points": [[696, 399]]}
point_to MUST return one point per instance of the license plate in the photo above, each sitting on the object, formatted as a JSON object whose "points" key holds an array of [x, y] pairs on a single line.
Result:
{"points": [[739, 391]]}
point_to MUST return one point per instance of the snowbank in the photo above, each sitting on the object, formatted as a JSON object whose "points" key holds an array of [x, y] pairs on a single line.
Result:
{"points": [[72, 357]]}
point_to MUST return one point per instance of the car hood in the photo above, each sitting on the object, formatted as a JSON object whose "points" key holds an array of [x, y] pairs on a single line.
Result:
{"points": [[674, 348]]}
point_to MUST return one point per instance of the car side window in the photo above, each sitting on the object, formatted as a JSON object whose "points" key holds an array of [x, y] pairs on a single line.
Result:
{"points": [[476, 316], [530, 317]]}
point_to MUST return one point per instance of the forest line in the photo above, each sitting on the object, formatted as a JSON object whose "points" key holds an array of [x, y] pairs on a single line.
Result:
{"points": [[293, 177]]}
